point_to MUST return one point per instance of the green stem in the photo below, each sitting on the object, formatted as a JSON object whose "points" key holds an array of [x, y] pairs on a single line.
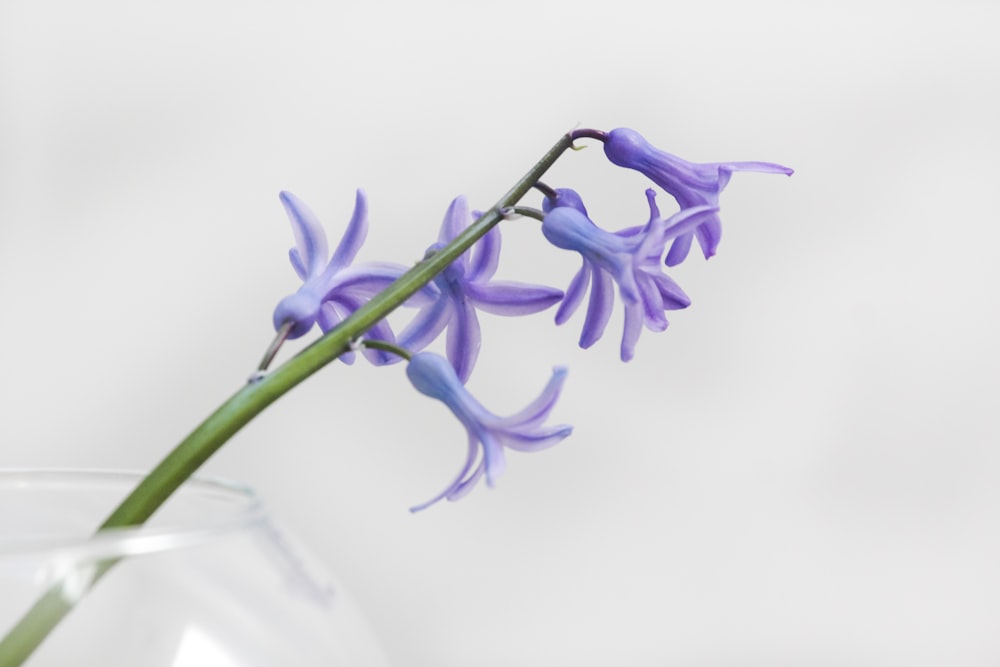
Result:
{"points": [[251, 399]]}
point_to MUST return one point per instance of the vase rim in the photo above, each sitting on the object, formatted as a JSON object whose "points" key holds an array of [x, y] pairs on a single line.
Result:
{"points": [[243, 509]]}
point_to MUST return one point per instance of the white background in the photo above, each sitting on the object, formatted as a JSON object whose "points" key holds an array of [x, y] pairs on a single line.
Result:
{"points": [[803, 470]]}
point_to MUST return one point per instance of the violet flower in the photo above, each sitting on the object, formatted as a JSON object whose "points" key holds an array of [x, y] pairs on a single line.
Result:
{"points": [[632, 259], [332, 290], [690, 183], [434, 376], [464, 286]]}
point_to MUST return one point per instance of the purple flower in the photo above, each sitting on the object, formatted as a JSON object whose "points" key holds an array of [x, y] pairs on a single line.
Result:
{"points": [[464, 286], [434, 376], [332, 290], [691, 184], [632, 259]]}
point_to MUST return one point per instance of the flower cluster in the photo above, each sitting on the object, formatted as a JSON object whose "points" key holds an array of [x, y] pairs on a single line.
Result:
{"points": [[633, 258]]}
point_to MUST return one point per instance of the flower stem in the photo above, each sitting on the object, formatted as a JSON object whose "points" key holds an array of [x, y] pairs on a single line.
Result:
{"points": [[251, 399]]}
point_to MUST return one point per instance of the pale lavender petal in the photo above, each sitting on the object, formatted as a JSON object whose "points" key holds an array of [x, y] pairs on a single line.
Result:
{"points": [[533, 441], [633, 327], [485, 257], [536, 412], [371, 278], [462, 488], [426, 325], [574, 293], [493, 459], [761, 167], [457, 484], [354, 236], [296, 260], [511, 298], [309, 236], [463, 340], [602, 298], [709, 234]]}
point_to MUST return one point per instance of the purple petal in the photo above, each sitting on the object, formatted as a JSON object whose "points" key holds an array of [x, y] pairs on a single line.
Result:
{"points": [[426, 325], [510, 298], [674, 297], [485, 257], [457, 484], [463, 340], [535, 412], [310, 240], [493, 458], [633, 327], [456, 219], [533, 441], [330, 315], [652, 304], [354, 236], [762, 167], [679, 249], [371, 278], [602, 298], [296, 260], [574, 293]]}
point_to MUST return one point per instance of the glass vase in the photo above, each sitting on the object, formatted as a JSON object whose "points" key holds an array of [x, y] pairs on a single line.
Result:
{"points": [[210, 580]]}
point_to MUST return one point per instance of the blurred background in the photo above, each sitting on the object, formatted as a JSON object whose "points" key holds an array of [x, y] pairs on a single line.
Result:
{"points": [[802, 470]]}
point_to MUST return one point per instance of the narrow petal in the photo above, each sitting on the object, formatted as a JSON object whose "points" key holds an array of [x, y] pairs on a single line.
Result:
{"points": [[762, 167], [354, 236], [425, 326], [709, 234], [310, 240], [652, 304], [679, 249], [371, 278], [456, 484], [633, 327], [674, 297], [511, 298], [538, 439], [574, 293], [455, 220], [538, 410], [602, 298], [330, 315], [493, 458], [485, 256], [297, 264], [463, 340]]}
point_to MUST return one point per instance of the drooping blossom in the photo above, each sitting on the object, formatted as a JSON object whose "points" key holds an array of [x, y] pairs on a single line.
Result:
{"points": [[332, 289], [434, 376], [466, 285], [630, 258], [690, 183]]}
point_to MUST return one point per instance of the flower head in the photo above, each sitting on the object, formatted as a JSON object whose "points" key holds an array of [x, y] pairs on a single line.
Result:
{"points": [[466, 285], [434, 376], [691, 184], [630, 258], [333, 289]]}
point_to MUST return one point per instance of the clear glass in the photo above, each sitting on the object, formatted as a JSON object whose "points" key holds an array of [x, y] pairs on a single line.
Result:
{"points": [[210, 580]]}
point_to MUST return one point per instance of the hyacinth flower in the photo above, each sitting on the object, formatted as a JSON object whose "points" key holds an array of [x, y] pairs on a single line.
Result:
{"points": [[434, 376], [333, 289], [691, 184], [630, 258], [466, 285]]}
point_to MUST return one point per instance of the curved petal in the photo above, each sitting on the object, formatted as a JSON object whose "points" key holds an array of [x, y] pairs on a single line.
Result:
{"points": [[679, 249], [602, 298], [354, 235], [574, 293], [493, 458], [330, 315], [425, 326], [310, 240], [455, 219], [485, 256], [511, 298], [709, 234], [463, 340], [371, 278], [673, 296], [535, 440], [652, 304], [456, 485], [297, 264], [633, 327], [536, 412]]}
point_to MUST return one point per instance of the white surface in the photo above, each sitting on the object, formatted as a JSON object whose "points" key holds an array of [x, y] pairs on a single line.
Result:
{"points": [[802, 470]]}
